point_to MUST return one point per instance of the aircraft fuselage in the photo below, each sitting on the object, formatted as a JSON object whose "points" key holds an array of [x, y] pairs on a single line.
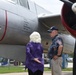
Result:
{"points": [[16, 23]]}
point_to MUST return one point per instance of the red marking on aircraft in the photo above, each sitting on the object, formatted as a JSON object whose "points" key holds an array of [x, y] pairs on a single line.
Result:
{"points": [[5, 26]]}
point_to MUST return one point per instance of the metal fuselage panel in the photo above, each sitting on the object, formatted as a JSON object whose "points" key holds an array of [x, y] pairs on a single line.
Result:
{"points": [[20, 23]]}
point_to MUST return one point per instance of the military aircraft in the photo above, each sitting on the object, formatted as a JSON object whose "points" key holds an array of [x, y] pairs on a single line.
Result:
{"points": [[18, 19]]}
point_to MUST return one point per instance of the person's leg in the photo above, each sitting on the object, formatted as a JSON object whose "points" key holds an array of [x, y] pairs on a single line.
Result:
{"points": [[59, 69], [38, 72], [52, 67], [30, 72], [56, 66]]}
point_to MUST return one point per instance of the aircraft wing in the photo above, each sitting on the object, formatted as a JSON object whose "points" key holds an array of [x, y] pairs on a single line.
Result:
{"points": [[55, 20], [52, 20]]}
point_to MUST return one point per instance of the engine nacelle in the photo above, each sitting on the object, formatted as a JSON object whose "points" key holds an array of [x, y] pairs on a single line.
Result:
{"points": [[68, 18]]}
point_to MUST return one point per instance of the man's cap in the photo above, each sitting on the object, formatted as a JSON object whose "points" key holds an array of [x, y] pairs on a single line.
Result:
{"points": [[52, 28]]}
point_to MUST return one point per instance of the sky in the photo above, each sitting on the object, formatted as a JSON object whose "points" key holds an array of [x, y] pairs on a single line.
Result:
{"points": [[51, 5]]}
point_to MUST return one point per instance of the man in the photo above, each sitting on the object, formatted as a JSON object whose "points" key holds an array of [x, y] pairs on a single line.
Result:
{"points": [[55, 51]]}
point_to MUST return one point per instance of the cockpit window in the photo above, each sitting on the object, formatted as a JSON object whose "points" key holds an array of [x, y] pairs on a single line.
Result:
{"points": [[13, 1], [24, 3]]}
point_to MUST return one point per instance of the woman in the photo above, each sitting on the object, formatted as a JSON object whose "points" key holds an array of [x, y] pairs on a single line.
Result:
{"points": [[34, 51]]}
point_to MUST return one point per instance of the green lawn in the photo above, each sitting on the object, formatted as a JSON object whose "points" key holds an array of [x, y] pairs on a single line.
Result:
{"points": [[66, 69], [12, 69]]}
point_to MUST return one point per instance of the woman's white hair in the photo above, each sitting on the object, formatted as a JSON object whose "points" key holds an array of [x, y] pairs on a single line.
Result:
{"points": [[35, 37]]}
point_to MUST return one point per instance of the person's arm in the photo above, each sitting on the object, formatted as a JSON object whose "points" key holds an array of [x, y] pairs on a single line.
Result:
{"points": [[37, 60], [29, 55], [28, 52], [60, 48]]}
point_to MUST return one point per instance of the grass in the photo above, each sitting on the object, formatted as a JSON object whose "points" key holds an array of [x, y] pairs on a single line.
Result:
{"points": [[66, 69], [14, 69], [11, 69]]}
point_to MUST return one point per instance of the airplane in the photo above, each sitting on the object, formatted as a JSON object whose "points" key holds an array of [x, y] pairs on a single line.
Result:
{"points": [[18, 19]]}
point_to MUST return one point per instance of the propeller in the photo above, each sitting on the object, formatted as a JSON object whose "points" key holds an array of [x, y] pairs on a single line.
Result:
{"points": [[70, 4]]}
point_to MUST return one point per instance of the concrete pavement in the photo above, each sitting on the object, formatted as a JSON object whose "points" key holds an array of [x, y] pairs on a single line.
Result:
{"points": [[45, 73]]}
